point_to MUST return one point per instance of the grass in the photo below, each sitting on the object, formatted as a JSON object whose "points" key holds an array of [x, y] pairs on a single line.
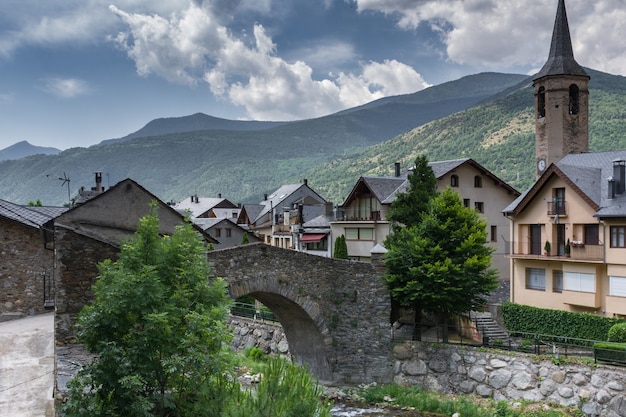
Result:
{"points": [[466, 406]]}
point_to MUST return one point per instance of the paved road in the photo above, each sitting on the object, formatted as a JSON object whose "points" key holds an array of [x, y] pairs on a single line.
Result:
{"points": [[27, 367]]}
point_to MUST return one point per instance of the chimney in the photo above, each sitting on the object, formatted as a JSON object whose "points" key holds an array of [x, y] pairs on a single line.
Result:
{"points": [[619, 175], [611, 188], [397, 169], [219, 195], [264, 197], [306, 182], [98, 182]]}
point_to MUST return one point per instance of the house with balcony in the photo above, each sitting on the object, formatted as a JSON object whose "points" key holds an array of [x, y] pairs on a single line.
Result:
{"points": [[568, 230], [362, 218], [279, 217], [578, 206]]}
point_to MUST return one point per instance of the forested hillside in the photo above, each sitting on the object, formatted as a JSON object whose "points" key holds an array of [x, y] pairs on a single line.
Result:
{"points": [[331, 152], [498, 134], [230, 158]]}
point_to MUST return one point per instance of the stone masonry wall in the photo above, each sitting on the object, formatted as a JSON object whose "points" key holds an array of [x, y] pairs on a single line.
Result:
{"points": [[23, 263], [597, 391], [77, 266], [268, 337]]}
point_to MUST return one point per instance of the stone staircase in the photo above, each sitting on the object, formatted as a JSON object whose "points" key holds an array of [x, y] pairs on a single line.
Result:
{"points": [[488, 328]]}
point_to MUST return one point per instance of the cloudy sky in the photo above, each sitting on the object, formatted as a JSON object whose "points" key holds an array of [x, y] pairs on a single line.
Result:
{"points": [[75, 72]]}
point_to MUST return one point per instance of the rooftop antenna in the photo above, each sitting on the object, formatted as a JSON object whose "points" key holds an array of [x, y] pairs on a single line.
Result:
{"points": [[65, 180]]}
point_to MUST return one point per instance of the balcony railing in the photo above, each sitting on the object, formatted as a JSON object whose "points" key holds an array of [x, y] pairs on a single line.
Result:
{"points": [[577, 253], [359, 215], [557, 208]]}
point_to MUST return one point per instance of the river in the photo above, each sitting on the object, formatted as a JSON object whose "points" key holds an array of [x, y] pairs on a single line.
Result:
{"points": [[353, 410]]}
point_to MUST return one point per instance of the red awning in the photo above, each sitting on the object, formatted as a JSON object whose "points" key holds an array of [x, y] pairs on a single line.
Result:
{"points": [[312, 237]]}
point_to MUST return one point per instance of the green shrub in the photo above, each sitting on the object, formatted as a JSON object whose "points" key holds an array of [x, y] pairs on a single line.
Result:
{"points": [[526, 319], [617, 333], [256, 354], [285, 390]]}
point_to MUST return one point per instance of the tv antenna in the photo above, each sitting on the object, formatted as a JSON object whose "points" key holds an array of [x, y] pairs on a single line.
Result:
{"points": [[65, 180]]}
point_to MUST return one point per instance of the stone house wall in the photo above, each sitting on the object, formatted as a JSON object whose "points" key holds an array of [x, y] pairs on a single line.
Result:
{"points": [[596, 390], [23, 264], [78, 258]]}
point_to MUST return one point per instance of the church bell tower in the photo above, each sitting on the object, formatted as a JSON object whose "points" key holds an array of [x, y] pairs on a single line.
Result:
{"points": [[561, 100]]}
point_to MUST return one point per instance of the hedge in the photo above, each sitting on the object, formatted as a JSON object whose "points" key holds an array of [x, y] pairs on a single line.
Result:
{"points": [[526, 319]]}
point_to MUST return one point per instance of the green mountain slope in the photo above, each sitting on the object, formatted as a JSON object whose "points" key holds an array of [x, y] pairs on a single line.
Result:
{"points": [[498, 134], [238, 163]]}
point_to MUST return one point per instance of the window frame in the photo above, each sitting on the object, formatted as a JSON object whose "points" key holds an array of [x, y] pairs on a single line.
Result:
{"points": [[579, 282], [535, 274], [621, 237]]}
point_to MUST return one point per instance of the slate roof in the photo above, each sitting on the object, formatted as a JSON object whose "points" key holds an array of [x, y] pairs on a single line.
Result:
{"points": [[275, 199], [385, 189], [29, 215], [200, 205], [587, 174], [561, 57], [207, 223]]}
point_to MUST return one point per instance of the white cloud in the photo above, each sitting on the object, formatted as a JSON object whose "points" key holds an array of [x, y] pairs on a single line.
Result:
{"points": [[192, 45], [502, 34], [66, 87]]}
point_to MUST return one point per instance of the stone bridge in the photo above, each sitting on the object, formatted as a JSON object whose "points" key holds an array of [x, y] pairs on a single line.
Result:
{"points": [[335, 313]]}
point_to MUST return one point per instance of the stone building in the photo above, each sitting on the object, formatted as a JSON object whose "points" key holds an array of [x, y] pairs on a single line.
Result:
{"points": [[92, 232], [26, 262]]}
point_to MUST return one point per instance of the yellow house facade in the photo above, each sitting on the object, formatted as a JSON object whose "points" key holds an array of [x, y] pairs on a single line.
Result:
{"points": [[579, 206]]}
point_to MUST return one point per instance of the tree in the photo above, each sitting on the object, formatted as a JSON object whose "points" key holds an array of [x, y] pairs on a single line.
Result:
{"points": [[441, 265], [245, 239], [409, 206], [157, 327], [341, 248]]}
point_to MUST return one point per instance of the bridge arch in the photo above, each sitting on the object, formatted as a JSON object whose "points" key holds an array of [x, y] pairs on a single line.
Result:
{"points": [[335, 313]]}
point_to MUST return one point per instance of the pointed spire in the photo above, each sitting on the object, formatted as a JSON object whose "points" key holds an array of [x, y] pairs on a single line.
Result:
{"points": [[561, 58]]}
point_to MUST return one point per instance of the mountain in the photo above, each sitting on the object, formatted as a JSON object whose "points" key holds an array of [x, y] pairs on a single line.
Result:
{"points": [[195, 122], [498, 133], [230, 160], [23, 149]]}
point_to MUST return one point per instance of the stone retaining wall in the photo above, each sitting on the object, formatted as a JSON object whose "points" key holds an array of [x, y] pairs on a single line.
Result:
{"points": [[268, 337], [596, 390]]}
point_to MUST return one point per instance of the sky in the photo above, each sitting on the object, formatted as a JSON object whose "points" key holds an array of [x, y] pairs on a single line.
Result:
{"points": [[76, 72]]}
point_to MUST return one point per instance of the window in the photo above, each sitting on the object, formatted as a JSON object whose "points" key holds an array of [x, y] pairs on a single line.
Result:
{"points": [[573, 99], [454, 181], [479, 206], [466, 202], [617, 236], [228, 232], [218, 232], [592, 234], [541, 102], [359, 233], [557, 281], [494, 233], [322, 244], [557, 205], [536, 279], [478, 181], [617, 286], [579, 281]]}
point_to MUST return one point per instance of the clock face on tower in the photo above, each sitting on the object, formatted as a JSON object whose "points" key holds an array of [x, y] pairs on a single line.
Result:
{"points": [[541, 165]]}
